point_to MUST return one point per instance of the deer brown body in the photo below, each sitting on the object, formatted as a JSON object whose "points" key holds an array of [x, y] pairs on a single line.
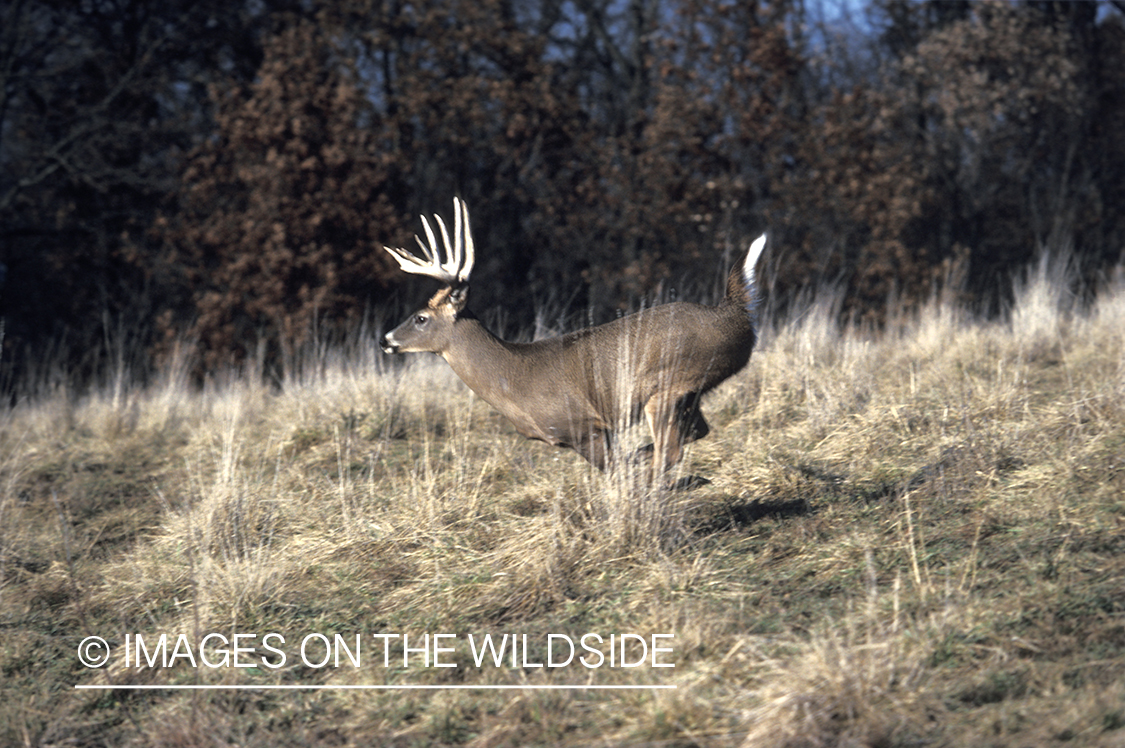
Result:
{"points": [[580, 389]]}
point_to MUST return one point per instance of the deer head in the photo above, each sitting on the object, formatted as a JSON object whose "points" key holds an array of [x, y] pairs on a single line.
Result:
{"points": [[430, 327]]}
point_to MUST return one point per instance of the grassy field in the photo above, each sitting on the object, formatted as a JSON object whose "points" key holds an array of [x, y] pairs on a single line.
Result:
{"points": [[912, 538]]}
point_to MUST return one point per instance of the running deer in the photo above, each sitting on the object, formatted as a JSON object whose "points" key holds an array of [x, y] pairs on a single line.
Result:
{"points": [[581, 389]]}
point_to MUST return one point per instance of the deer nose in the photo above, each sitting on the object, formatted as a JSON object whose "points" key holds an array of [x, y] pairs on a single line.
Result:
{"points": [[388, 345]]}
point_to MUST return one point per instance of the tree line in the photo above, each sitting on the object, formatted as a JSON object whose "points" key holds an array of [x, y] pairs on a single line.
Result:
{"points": [[225, 173]]}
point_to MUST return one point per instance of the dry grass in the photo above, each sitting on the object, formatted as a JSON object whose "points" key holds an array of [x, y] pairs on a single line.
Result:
{"points": [[914, 537]]}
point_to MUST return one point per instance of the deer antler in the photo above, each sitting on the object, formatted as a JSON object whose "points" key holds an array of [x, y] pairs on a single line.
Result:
{"points": [[460, 256]]}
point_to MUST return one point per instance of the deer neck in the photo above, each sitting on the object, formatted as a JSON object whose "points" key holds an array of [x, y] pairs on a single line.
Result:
{"points": [[483, 361]]}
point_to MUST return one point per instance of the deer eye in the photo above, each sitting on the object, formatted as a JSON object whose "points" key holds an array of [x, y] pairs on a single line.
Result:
{"points": [[421, 319]]}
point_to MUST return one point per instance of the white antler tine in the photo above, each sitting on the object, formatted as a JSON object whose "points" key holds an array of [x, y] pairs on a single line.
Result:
{"points": [[405, 260], [429, 264], [432, 252], [452, 251], [461, 212], [425, 250], [457, 233]]}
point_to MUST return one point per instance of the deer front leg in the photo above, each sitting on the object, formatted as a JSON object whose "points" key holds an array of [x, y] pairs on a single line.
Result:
{"points": [[667, 440], [672, 427], [690, 421]]}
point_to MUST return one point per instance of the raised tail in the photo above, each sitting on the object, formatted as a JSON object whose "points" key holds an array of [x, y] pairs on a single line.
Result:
{"points": [[741, 286]]}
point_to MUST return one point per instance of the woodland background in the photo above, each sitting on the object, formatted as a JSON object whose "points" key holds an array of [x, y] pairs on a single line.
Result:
{"points": [[223, 174]]}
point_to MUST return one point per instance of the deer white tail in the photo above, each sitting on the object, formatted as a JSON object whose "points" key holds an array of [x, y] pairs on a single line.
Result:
{"points": [[742, 286]]}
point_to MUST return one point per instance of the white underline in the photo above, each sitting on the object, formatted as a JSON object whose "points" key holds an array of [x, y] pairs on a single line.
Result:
{"points": [[247, 687]]}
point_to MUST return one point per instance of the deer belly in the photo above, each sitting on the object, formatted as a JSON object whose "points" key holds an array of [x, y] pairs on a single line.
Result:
{"points": [[559, 428]]}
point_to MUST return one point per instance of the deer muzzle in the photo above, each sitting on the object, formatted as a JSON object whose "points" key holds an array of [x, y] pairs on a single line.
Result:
{"points": [[389, 344]]}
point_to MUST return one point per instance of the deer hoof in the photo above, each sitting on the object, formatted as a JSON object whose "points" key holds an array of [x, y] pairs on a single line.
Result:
{"points": [[688, 482]]}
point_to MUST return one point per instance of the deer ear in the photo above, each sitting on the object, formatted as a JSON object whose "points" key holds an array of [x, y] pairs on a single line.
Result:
{"points": [[459, 297], [454, 297]]}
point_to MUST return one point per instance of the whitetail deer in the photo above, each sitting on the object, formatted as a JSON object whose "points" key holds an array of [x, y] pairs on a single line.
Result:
{"points": [[578, 390]]}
